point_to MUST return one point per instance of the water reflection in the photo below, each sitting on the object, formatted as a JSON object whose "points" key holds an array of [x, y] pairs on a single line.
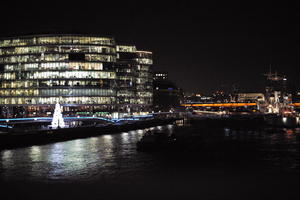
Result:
{"points": [[6, 158], [107, 141], [110, 155], [289, 133], [35, 153], [226, 132], [6, 154], [57, 153], [93, 141], [125, 137], [81, 158], [280, 149]]}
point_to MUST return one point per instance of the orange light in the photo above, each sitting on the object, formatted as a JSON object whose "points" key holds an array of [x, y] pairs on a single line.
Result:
{"points": [[219, 105], [295, 104], [289, 132]]}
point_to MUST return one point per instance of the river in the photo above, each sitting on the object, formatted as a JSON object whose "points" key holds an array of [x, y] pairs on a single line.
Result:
{"points": [[110, 166]]}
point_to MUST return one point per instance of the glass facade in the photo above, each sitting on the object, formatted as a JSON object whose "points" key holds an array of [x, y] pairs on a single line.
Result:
{"points": [[77, 71], [144, 77], [134, 76]]}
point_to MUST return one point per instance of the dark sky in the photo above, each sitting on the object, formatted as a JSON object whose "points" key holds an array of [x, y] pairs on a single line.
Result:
{"points": [[202, 46]]}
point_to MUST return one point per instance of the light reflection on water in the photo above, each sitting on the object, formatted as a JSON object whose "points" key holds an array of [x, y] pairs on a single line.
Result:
{"points": [[112, 155], [80, 158], [278, 148]]}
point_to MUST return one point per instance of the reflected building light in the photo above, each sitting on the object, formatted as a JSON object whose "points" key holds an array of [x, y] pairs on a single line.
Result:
{"points": [[56, 154], [94, 140], [107, 137], [125, 137], [58, 145], [289, 131], [35, 153], [67, 159], [94, 143], [7, 160], [289, 134], [78, 144], [7, 154], [284, 119], [170, 126], [226, 131], [140, 131], [125, 134], [108, 145]]}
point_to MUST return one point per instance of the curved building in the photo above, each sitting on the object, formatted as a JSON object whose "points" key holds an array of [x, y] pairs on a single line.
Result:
{"points": [[77, 71], [73, 70]]}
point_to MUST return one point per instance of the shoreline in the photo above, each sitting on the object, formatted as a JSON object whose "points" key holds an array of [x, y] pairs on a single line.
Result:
{"points": [[40, 137]]}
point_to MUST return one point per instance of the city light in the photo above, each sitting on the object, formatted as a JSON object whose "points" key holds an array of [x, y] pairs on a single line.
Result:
{"points": [[219, 105]]}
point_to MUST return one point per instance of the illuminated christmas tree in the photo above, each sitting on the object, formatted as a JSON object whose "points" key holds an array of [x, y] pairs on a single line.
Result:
{"points": [[57, 120]]}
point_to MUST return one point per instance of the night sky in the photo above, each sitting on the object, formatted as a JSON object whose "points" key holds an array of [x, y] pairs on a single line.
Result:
{"points": [[204, 47]]}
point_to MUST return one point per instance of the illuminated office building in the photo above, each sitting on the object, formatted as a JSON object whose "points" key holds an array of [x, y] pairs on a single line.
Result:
{"points": [[144, 78], [134, 76], [77, 71]]}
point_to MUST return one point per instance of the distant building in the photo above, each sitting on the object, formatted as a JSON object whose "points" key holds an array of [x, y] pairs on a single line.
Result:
{"points": [[221, 96], [166, 95], [160, 76], [250, 97], [276, 95], [296, 98], [197, 98]]}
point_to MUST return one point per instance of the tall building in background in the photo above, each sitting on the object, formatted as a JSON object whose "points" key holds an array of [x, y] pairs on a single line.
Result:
{"points": [[134, 77], [84, 73], [126, 72], [166, 95], [144, 80]]}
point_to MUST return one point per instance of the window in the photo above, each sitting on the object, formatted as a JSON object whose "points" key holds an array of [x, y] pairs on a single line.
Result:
{"points": [[77, 56], [1, 67]]}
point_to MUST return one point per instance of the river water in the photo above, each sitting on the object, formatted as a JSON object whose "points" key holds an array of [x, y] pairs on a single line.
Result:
{"points": [[110, 166]]}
